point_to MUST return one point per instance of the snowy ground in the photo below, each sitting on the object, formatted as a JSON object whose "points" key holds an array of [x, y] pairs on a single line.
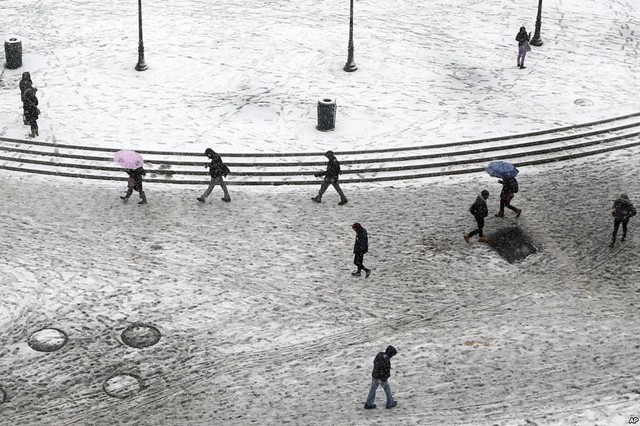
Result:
{"points": [[261, 321], [246, 76]]}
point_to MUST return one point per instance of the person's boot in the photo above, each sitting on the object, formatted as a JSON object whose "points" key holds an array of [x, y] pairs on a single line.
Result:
{"points": [[518, 212], [483, 239], [393, 404], [124, 197], [343, 201], [356, 274], [143, 198], [201, 199], [226, 199], [369, 407], [613, 243], [317, 199], [466, 237], [367, 273], [500, 214]]}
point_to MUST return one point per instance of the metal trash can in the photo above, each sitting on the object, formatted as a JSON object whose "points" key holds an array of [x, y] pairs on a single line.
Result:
{"points": [[13, 53], [326, 114]]}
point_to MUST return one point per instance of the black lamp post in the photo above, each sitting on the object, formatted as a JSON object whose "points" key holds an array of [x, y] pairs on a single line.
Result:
{"points": [[536, 40], [350, 66], [140, 66]]}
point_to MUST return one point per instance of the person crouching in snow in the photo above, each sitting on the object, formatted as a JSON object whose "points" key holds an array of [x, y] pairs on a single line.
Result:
{"points": [[622, 211], [217, 170], [135, 184], [479, 210], [360, 248], [380, 376]]}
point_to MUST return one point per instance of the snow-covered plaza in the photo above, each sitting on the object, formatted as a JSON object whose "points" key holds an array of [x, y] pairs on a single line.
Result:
{"points": [[260, 319]]}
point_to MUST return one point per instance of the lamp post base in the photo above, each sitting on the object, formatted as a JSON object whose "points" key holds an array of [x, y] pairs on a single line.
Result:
{"points": [[141, 66], [350, 67], [536, 42]]}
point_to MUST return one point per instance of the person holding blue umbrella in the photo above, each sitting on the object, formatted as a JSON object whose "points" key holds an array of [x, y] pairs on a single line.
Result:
{"points": [[507, 173]]}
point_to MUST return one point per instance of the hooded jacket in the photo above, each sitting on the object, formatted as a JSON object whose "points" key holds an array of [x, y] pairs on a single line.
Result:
{"points": [[623, 209], [216, 166], [382, 364]]}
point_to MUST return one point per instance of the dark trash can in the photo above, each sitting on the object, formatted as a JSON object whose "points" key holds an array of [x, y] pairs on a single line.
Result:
{"points": [[326, 114], [13, 53]]}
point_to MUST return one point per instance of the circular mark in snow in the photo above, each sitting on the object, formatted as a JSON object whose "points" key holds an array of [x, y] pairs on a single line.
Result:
{"points": [[47, 340], [462, 74], [583, 102], [122, 385], [141, 335]]}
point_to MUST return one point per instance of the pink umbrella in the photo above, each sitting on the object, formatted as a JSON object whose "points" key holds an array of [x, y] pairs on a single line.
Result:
{"points": [[128, 159]]}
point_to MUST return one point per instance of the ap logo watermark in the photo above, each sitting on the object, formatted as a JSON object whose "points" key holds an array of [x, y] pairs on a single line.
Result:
{"points": [[633, 420]]}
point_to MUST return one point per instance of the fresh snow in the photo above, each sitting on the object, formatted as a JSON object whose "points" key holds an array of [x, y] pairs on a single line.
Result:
{"points": [[261, 320]]}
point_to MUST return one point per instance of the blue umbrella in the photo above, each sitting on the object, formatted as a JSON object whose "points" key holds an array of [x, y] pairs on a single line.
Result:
{"points": [[501, 169]]}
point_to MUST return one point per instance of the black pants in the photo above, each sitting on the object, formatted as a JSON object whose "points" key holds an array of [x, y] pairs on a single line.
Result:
{"points": [[478, 231], [505, 201], [357, 260], [616, 226]]}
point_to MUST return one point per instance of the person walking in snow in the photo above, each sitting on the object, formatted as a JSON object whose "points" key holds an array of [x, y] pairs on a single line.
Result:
{"points": [[31, 111], [360, 248], [479, 210], [330, 178], [217, 170], [509, 189], [25, 83], [622, 211], [135, 184], [380, 376], [523, 46]]}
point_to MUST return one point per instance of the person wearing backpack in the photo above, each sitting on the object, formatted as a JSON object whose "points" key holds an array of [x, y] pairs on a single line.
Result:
{"points": [[509, 188], [380, 376], [479, 210], [622, 211], [217, 169]]}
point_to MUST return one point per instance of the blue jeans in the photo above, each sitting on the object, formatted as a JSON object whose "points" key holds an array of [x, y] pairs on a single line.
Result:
{"points": [[372, 392]]}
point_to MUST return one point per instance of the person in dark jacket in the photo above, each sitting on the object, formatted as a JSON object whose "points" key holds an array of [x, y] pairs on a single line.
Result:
{"points": [[360, 248], [25, 83], [135, 184], [522, 37], [31, 111], [380, 376], [509, 188], [330, 178], [479, 210], [622, 211], [217, 169]]}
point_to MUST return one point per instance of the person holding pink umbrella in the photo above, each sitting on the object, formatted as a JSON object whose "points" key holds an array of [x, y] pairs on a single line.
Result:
{"points": [[133, 165]]}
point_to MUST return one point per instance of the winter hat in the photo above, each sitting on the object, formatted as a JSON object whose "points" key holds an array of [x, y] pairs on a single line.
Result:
{"points": [[485, 193], [328, 154], [356, 226], [390, 351], [625, 196], [209, 152]]}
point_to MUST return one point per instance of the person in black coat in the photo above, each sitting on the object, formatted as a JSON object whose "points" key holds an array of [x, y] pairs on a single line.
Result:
{"points": [[217, 169], [522, 37], [360, 248], [622, 211], [25, 83], [380, 376], [330, 178], [135, 184], [509, 188], [479, 210], [31, 111]]}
